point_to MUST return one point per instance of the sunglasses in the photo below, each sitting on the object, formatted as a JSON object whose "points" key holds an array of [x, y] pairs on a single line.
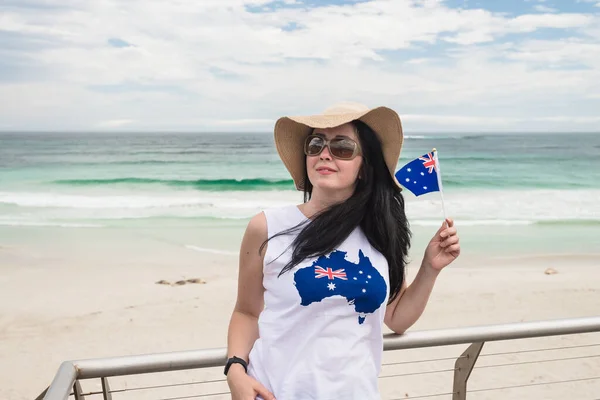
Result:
{"points": [[341, 148]]}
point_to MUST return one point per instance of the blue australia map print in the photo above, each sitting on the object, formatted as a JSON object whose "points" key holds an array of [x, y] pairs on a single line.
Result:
{"points": [[361, 284]]}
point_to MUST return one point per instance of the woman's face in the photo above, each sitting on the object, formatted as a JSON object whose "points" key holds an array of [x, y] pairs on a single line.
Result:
{"points": [[329, 173]]}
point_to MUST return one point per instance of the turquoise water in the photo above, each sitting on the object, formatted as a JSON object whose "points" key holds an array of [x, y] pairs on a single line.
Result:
{"points": [[100, 179]]}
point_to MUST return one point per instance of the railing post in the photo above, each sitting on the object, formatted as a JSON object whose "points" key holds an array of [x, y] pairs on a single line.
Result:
{"points": [[462, 370], [77, 391], [106, 394]]}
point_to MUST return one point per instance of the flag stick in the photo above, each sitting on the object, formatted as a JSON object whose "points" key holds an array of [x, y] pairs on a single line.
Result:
{"points": [[439, 179]]}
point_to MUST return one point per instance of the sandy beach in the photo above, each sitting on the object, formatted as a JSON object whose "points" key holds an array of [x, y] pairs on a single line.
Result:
{"points": [[85, 294]]}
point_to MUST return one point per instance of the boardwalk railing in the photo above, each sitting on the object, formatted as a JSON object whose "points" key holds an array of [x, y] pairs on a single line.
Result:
{"points": [[67, 380]]}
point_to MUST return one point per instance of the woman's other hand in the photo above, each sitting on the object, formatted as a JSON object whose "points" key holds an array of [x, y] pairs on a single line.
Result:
{"points": [[443, 248]]}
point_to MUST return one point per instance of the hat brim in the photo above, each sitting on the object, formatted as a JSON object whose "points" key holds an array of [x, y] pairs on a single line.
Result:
{"points": [[290, 133]]}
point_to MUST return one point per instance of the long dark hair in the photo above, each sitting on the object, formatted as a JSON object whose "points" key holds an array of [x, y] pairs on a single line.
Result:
{"points": [[376, 205]]}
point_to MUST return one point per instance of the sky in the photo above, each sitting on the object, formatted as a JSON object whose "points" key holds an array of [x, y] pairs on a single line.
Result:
{"points": [[238, 65]]}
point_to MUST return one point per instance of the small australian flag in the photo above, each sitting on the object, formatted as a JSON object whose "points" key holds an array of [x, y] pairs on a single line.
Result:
{"points": [[420, 176]]}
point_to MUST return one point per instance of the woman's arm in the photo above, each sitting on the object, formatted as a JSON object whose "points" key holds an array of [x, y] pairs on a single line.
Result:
{"points": [[243, 326], [408, 307]]}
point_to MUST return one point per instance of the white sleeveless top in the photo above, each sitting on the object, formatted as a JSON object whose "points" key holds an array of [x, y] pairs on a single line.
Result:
{"points": [[320, 333]]}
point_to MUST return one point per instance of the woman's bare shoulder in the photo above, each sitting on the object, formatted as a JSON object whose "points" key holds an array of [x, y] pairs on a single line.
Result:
{"points": [[257, 226], [255, 235]]}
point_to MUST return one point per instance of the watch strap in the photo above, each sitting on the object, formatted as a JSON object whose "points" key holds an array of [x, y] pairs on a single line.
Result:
{"points": [[235, 360]]}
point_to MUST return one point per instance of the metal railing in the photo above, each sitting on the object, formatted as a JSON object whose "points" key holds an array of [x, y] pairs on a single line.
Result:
{"points": [[67, 380]]}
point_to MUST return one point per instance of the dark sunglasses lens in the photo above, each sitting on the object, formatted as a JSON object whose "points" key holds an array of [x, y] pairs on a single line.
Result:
{"points": [[314, 145], [342, 148]]}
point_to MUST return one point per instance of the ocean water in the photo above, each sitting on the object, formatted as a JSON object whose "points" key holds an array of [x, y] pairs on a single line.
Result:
{"points": [[108, 180]]}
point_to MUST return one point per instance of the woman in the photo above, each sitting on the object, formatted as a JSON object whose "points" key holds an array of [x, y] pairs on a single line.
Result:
{"points": [[318, 281]]}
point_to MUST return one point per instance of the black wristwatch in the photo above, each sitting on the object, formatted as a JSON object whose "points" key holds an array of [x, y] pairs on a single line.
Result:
{"points": [[235, 360]]}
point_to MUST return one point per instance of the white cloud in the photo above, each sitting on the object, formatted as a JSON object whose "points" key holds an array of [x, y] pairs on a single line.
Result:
{"points": [[559, 52], [215, 65]]}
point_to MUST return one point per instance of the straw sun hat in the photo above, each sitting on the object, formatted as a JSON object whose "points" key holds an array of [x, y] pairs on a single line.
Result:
{"points": [[290, 133]]}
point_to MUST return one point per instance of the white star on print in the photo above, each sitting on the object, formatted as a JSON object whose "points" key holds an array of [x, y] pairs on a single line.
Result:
{"points": [[331, 286]]}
